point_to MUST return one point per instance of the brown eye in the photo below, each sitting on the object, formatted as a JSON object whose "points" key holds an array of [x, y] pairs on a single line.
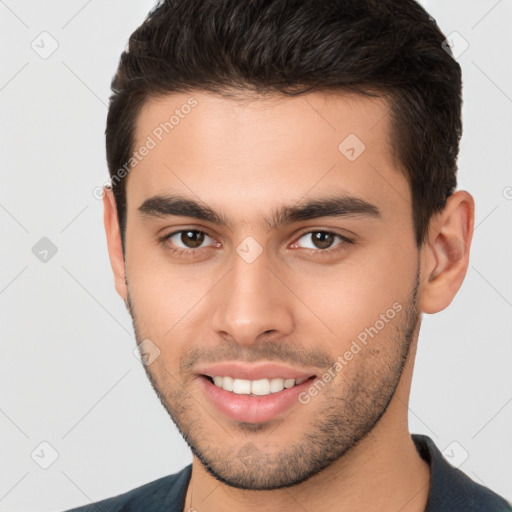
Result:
{"points": [[321, 239], [192, 239], [187, 239]]}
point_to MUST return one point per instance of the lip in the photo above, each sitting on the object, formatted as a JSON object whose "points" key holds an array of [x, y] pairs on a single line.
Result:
{"points": [[252, 408], [239, 370]]}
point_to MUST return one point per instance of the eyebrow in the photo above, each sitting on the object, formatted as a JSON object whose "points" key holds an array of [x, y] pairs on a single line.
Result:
{"points": [[161, 206]]}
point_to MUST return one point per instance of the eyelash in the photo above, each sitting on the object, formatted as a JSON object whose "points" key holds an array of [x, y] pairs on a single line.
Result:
{"points": [[190, 252]]}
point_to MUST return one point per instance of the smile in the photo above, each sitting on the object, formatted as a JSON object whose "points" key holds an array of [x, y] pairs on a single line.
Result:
{"points": [[253, 401], [260, 387]]}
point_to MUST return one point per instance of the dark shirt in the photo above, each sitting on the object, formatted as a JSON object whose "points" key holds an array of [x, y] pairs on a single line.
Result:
{"points": [[450, 490]]}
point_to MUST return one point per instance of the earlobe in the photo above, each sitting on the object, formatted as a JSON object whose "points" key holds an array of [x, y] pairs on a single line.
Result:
{"points": [[115, 251], [445, 254]]}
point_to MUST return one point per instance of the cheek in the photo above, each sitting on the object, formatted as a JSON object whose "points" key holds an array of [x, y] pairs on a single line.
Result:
{"points": [[161, 300], [167, 298], [351, 297]]}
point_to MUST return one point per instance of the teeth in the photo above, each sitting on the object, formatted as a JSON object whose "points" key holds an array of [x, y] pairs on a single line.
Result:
{"points": [[227, 383], [288, 383], [241, 386], [259, 387], [276, 385]]}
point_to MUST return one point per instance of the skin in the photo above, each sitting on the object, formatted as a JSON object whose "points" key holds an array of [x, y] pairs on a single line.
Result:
{"points": [[350, 445]]}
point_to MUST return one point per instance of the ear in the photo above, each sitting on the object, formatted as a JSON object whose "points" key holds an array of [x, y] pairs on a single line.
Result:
{"points": [[445, 253], [115, 250]]}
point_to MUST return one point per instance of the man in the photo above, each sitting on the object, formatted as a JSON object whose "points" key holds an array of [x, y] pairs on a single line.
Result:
{"points": [[282, 212]]}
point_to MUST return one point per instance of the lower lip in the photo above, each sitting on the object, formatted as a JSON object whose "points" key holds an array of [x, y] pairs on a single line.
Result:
{"points": [[252, 408]]}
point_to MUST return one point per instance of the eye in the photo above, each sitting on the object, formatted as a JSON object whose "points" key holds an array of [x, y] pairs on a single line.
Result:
{"points": [[321, 241], [186, 240]]}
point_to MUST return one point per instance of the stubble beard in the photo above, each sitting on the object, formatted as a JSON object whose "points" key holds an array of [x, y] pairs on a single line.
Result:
{"points": [[343, 415]]}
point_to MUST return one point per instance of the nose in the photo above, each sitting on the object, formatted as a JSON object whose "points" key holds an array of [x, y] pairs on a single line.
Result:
{"points": [[252, 302]]}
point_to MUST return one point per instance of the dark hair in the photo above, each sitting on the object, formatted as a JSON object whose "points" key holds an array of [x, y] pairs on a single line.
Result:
{"points": [[387, 48]]}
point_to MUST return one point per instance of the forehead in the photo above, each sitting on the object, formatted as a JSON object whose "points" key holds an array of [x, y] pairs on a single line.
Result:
{"points": [[235, 152]]}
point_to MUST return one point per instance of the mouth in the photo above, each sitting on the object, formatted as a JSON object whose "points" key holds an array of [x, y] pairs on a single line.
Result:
{"points": [[253, 401], [258, 387]]}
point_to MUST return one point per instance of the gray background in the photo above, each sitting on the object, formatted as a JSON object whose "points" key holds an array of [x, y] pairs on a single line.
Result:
{"points": [[68, 374]]}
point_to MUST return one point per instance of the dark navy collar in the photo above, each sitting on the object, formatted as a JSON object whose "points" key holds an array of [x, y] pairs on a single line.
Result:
{"points": [[451, 490]]}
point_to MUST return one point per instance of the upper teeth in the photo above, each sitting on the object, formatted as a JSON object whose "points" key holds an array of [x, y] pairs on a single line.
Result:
{"points": [[256, 387]]}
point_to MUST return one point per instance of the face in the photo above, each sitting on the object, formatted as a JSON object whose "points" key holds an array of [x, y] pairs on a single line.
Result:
{"points": [[263, 244]]}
